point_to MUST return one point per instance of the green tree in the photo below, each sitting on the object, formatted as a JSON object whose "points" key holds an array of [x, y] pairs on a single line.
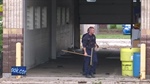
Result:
{"points": [[1, 29], [1, 1], [1, 38]]}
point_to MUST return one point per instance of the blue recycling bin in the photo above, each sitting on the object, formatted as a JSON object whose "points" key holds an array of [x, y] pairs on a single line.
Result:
{"points": [[126, 29], [136, 64]]}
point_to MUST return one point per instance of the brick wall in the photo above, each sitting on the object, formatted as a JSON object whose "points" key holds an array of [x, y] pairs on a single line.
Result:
{"points": [[12, 31], [9, 49], [145, 31]]}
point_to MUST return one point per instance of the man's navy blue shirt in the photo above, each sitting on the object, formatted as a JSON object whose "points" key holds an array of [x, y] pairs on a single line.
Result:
{"points": [[88, 41]]}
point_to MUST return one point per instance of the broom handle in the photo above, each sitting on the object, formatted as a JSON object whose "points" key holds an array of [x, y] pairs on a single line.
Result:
{"points": [[75, 53], [91, 56]]}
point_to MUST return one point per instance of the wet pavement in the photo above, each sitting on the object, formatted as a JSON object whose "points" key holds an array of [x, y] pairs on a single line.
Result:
{"points": [[71, 66], [67, 70]]}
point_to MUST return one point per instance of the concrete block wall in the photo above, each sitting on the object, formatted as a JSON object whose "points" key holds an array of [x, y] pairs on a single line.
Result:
{"points": [[36, 47], [37, 39], [65, 28]]}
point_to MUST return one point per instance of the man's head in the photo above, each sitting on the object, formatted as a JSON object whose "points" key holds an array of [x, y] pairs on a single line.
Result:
{"points": [[91, 30]]}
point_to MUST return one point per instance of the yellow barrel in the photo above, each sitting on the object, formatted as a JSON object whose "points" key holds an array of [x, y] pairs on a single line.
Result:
{"points": [[126, 54], [127, 68]]}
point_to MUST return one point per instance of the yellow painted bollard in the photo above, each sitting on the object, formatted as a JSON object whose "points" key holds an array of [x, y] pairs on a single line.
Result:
{"points": [[143, 62], [18, 56]]}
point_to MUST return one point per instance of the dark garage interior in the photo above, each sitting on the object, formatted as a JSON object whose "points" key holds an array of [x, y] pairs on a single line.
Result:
{"points": [[60, 29]]}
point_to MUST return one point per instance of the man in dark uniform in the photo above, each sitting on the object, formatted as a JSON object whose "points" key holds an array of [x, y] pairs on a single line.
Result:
{"points": [[89, 43]]}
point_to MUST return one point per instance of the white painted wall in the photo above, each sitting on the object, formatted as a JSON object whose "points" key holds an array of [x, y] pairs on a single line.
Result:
{"points": [[65, 25], [40, 42], [37, 38]]}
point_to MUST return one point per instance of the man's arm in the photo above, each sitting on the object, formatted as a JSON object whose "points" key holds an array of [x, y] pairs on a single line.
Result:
{"points": [[95, 42], [84, 42], [96, 45], [84, 50]]}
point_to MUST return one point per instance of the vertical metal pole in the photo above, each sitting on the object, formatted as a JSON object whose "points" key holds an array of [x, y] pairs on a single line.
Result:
{"points": [[53, 29], [132, 20], [91, 61], [18, 56], [24, 29]]}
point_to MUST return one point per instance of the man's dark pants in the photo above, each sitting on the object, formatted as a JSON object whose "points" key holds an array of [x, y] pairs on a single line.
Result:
{"points": [[87, 68]]}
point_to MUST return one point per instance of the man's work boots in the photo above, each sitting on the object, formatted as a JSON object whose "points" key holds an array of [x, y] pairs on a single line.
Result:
{"points": [[87, 76], [83, 73], [92, 76]]}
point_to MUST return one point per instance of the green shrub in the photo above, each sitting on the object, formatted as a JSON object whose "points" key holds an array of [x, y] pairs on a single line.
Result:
{"points": [[113, 26]]}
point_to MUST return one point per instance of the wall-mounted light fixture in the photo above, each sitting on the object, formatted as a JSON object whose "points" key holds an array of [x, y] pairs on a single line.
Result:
{"points": [[91, 0], [134, 1]]}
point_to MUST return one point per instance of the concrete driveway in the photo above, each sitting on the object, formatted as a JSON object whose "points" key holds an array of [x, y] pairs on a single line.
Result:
{"points": [[113, 43]]}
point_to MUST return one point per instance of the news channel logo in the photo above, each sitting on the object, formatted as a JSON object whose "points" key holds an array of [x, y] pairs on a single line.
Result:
{"points": [[18, 70]]}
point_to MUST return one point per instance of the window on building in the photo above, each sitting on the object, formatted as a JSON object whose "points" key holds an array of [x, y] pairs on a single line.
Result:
{"points": [[37, 17], [58, 16], [44, 17], [67, 15], [63, 15], [30, 15]]}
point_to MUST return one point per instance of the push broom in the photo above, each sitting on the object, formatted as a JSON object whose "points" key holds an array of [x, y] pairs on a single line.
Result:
{"points": [[75, 53]]}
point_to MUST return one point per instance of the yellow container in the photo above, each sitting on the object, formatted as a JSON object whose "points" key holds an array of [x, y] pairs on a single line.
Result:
{"points": [[1, 8], [126, 54], [127, 68]]}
